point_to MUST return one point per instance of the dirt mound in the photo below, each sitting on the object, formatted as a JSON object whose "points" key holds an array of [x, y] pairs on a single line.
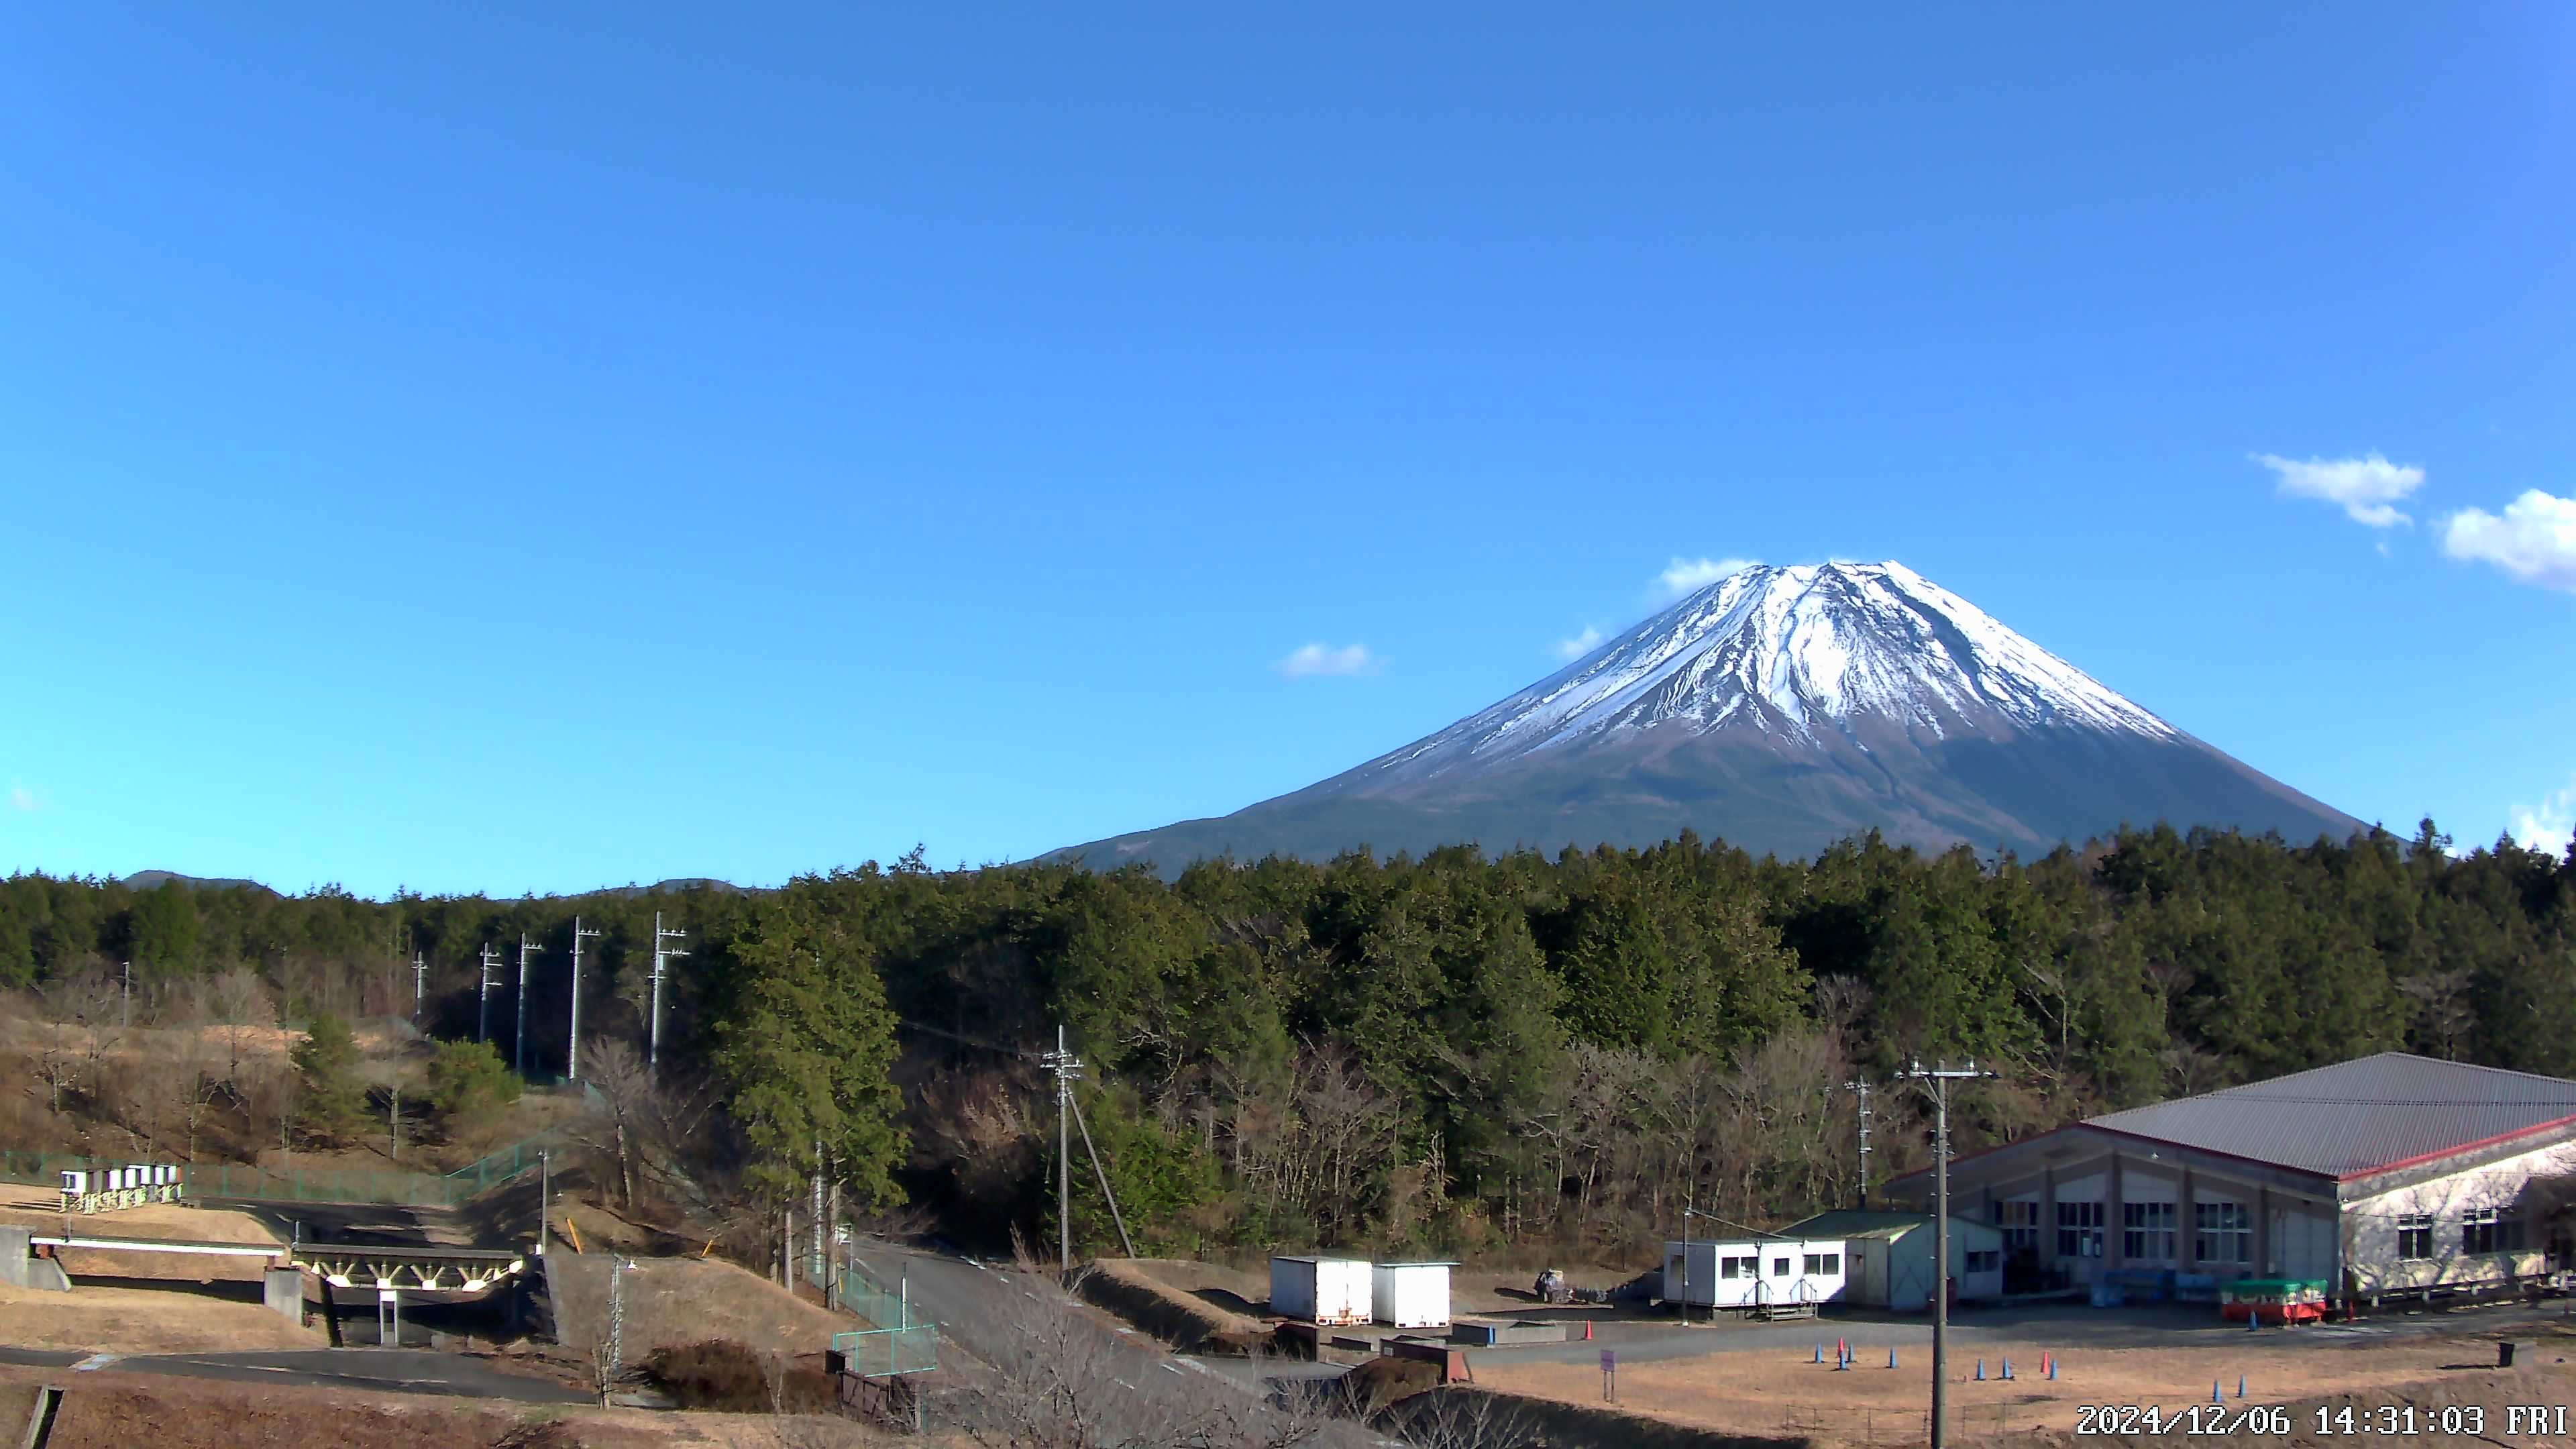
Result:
{"points": [[144, 1320], [674, 1302], [1144, 1292]]}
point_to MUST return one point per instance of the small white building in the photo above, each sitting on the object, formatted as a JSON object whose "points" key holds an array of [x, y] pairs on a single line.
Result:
{"points": [[1411, 1295], [1754, 1273], [1331, 1291], [1890, 1259]]}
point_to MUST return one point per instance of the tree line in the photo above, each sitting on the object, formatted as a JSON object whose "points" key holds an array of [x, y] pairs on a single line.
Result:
{"points": [[1453, 1052]]}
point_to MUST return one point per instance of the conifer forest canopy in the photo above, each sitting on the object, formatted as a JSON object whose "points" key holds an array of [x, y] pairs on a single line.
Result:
{"points": [[1453, 1052]]}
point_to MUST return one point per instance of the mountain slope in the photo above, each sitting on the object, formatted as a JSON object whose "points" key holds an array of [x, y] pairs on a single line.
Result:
{"points": [[1779, 709]]}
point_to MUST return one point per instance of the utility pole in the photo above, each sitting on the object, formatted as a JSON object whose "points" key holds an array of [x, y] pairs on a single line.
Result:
{"points": [[1941, 1076], [1861, 1086], [572, 1049], [519, 1058], [1068, 1069], [419, 984], [483, 996], [653, 1056]]}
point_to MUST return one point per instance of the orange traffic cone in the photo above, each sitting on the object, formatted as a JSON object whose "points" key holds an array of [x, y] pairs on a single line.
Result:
{"points": [[1587, 1330]]}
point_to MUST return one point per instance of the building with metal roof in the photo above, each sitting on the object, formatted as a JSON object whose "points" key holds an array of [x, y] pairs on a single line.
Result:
{"points": [[2388, 1174]]}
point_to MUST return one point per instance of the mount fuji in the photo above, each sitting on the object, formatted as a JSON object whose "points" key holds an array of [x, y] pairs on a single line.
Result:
{"points": [[1779, 709]]}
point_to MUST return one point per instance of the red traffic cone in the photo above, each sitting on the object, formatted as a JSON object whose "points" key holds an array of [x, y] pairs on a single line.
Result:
{"points": [[1587, 1330]]}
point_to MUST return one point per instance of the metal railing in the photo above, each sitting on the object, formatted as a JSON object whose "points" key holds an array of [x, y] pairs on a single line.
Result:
{"points": [[235, 1180], [896, 1342]]}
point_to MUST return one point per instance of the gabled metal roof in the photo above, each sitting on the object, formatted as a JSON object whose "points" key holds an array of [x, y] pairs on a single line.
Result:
{"points": [[2358, 1117]]}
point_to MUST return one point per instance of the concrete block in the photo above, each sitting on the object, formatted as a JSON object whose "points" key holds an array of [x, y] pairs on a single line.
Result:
{"points": [[15, 1255], [285, 1294]]}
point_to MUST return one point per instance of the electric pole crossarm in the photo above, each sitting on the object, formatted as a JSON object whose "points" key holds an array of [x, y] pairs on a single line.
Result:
{"points": [[661, 953]]}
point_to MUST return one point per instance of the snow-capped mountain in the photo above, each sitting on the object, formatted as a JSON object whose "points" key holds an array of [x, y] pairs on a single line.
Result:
{"points": [[1779, 709]]}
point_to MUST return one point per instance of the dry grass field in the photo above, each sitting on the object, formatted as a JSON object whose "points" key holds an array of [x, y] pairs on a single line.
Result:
{"points": [[675, 1301], [143, 1320], [1781, 1393]]}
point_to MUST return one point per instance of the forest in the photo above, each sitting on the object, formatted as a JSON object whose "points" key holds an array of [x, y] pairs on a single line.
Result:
{"points": [[1525, 1055]]}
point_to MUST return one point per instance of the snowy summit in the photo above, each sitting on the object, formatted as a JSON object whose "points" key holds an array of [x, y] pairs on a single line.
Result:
{"points": [[1780, 709]]}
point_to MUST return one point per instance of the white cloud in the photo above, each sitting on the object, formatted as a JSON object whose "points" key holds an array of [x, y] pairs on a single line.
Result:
{"points": [[1580, 645], [24, 800], [1686, 574], [1322, 661], [2534, 540], [2367, 488], [2547, 825]]}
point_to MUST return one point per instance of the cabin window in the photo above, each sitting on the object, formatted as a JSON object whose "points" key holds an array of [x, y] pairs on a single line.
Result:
{"points": [[1985, 1262], [1779, 1267], [2415, 1236], [1824, 1265], [2079, 1230]]}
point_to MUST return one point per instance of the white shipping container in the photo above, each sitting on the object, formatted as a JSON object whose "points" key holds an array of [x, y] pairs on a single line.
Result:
{"points": [[1411, 1295], [1320, 1290]]}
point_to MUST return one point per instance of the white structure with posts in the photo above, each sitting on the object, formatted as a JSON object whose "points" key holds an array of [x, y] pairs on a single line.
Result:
{"points": [[1755, 1274], [1410, 1295], [1328, 1291]]}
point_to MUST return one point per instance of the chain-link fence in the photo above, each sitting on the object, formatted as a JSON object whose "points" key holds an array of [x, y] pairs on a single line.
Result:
{"points": [[235, 1180], [896, 1340]]}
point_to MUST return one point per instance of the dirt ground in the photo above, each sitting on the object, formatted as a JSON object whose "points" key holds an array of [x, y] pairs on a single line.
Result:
{"points": [[143, 1320], [1481, 1290], [112, 1410], [675, 1301], [35, 1208], [1784, 1393]]}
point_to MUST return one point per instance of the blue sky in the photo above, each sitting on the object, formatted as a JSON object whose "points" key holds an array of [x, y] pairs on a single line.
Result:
{"points": [[521, 452]]}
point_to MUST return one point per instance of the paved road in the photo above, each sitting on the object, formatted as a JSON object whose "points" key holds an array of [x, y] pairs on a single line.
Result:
{"points": [[399, 1371]]}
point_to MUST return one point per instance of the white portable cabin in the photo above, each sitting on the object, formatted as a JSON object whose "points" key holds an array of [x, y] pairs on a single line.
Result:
{"points": [[1891, 1263], [1754, 1272], [1411, 1295], [1320, 1290], [75, 1183]]}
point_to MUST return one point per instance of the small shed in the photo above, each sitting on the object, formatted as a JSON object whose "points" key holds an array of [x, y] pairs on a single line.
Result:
{"points": [[1754, 1273], [1891, 1259], [1320, 1290], [1411, 1295]]}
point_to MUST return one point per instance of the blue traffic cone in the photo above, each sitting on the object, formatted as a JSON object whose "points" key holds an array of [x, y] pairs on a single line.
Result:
{"points": [[2215, 1396], [2253, 1320], [2007, 1368], [1891, 1355], [2052, 1365], [2240, 1386], [1820, 1353], [1981, 1371]]}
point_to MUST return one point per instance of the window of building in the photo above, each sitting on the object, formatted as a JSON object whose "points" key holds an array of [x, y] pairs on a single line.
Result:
{"points": [[2478, 1231], [2147, 1231], [1779, 1267], [1987, 1262], [2079, 1230], [2222, 1232], [2415, 1235], [2020, 1222], [1739, 1267], [1824, 1265]]}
